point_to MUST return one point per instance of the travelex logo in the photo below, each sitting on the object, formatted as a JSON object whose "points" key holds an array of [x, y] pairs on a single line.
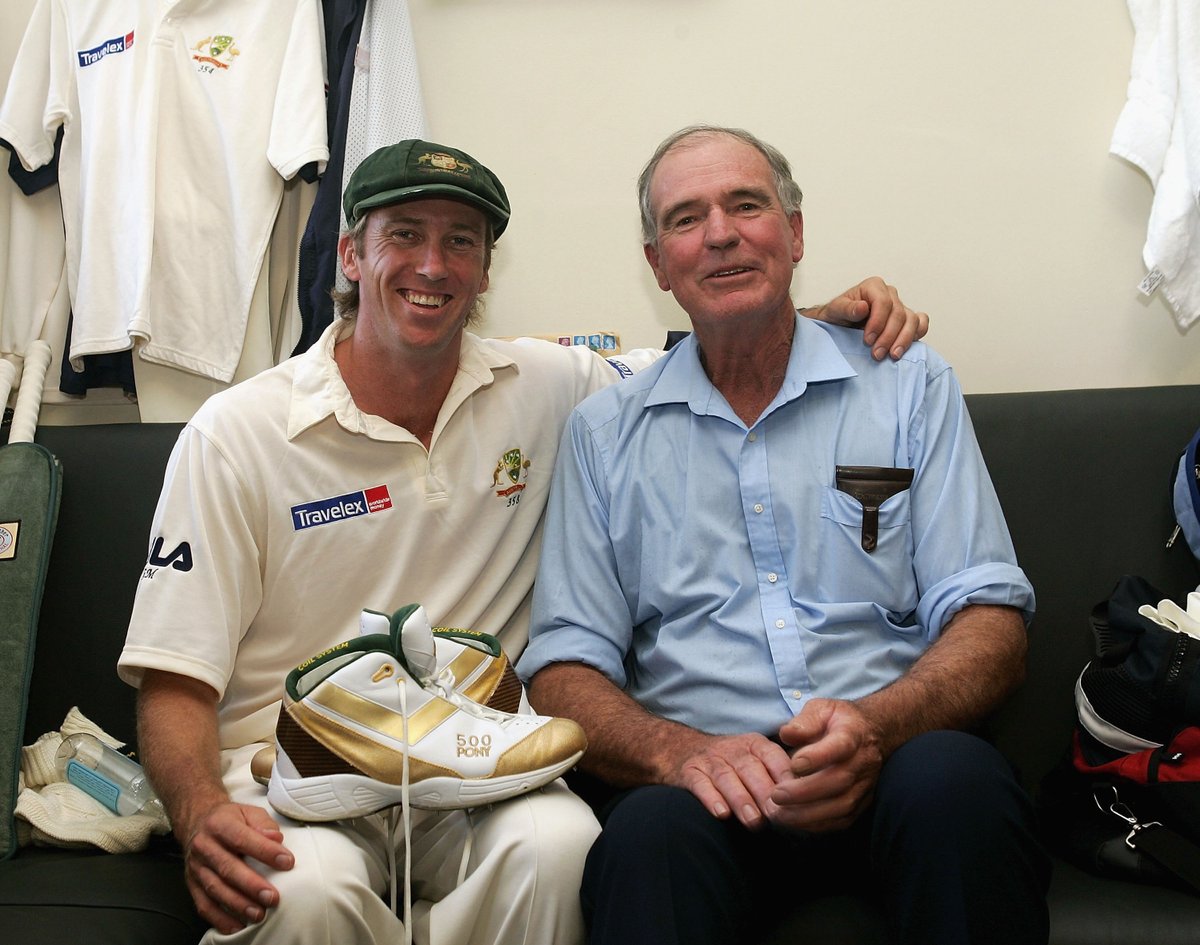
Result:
{"points": [[350, 505], [88, 57]]}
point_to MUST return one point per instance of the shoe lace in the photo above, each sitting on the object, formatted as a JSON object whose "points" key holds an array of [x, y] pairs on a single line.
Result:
{"points": [[406, 819], [444, 684]]}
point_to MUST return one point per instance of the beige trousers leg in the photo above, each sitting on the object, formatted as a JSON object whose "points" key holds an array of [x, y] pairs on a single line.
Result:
{"points": [[521, 885]]}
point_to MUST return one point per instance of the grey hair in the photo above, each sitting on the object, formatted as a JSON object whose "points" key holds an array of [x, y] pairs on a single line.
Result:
{"points": [[786, 188], [345, 301]]}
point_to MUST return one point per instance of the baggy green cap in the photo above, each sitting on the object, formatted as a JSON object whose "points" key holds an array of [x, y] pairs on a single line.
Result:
{"points": [[412, 170]]}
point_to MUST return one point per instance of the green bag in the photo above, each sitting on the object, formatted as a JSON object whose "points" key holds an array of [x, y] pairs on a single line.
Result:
{"points": [[30, 483]]}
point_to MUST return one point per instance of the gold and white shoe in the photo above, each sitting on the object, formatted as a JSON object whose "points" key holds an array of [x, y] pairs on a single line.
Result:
{"points": [[481, 669], [374, 722]]}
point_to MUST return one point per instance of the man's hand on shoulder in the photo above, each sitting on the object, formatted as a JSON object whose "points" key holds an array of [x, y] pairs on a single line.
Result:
{"points": [[835, 764], [889, 326]]}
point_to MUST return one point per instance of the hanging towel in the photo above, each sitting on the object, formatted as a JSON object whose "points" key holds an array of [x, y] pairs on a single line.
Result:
{"points": [[51, 812], [1158, 131]]}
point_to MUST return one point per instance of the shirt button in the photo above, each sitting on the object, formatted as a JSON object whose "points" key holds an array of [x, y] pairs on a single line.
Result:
{"points": [[758, 507], [753, 437], [797, 694], [772, 577], [780, 624]]}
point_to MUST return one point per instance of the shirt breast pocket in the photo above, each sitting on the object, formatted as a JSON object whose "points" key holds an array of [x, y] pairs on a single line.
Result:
{"points": [[866, 552]]}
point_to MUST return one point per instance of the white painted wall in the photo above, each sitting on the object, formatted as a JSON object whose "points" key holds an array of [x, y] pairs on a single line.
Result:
{"points": [[957, 149]]}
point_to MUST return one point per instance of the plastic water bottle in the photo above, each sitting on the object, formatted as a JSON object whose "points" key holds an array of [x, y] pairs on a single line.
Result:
{"points": [[116, 781]]}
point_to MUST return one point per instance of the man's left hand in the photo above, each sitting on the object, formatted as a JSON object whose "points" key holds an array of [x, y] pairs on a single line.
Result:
{"points": [[835, 766], [889, 326]]}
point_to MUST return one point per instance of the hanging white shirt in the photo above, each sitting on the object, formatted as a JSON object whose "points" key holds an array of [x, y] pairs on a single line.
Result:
{"points": [[181, 122]]}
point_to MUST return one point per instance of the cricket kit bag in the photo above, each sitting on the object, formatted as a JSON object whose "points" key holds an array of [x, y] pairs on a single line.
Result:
{"points": [[29, 497]]}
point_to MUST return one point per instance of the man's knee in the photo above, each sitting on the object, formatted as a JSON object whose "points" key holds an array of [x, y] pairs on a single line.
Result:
{"points": [[549, 829], [665, 870], [949, 800], [949, 774], [657, 821], [953, 842], [521, 874], [318, 907]]}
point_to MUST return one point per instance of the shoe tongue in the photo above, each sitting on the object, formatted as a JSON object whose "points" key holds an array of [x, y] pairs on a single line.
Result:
{"points": [[412, 641], [371, 622]]}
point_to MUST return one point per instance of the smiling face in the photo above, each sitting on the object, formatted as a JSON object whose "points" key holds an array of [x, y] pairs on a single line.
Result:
{"points": [[724, 248], [420, 268]]}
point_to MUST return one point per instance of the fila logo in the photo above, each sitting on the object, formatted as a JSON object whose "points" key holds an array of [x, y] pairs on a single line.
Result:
{"points": [[180, 559], [350, 505]]}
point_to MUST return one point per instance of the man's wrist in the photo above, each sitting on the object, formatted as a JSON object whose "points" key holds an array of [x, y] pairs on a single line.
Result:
{"points": [[192, 813]]}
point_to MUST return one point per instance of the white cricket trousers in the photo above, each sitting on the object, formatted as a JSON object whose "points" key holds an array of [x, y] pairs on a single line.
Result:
{"points": [[521, 885]]}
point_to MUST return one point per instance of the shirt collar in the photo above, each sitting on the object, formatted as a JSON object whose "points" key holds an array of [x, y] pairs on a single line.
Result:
{"points": [[318, 390], [814, 357]]}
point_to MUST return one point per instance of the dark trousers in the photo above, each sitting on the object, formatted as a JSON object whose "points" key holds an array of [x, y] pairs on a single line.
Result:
{"points": [[947, 847]]}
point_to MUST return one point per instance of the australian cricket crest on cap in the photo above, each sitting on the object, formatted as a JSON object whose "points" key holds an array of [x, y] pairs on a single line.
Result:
{"points": [[445, 162], [508, 478]]}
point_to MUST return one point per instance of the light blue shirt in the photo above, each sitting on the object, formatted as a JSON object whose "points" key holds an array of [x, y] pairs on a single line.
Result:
{"points": [[715, 573]]}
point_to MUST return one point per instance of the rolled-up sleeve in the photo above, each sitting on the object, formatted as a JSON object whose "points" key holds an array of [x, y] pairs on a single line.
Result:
{"points": [[962, 551]]}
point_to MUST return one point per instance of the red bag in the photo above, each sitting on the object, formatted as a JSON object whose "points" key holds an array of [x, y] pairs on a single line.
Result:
{"points": [[1137, 815], [1126, 800]]}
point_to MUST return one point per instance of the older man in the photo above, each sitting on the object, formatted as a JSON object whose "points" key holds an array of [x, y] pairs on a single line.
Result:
{"points": [[776, 589], [397, 402]]}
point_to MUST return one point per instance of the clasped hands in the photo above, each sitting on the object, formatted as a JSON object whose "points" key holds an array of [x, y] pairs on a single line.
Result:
{"points": [[820, 779]]}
